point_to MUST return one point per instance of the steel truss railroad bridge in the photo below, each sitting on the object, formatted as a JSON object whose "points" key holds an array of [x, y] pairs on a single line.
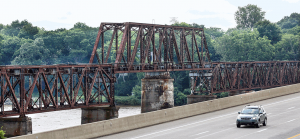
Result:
{"points": [[71, 86]]}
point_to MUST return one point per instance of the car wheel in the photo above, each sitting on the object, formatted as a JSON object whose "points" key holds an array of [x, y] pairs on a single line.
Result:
{"points": [[265, 122], [238, 125], [257, 125]]}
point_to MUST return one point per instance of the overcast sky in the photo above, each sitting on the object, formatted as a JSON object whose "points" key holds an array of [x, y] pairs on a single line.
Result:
{"points": [[53, 14]]}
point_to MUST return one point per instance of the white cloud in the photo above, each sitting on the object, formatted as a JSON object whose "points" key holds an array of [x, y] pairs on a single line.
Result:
{"points": [[292, 1], [93, 12]]}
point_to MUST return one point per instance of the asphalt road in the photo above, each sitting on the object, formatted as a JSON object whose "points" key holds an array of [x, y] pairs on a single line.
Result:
{"points": [[283, 122]]}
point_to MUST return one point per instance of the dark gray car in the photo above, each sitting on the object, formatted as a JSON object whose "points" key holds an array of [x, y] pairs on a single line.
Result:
{"points": [[252, 115]]}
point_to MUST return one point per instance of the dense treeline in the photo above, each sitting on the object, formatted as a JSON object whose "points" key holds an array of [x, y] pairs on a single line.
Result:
{"points": [[254, 39]]}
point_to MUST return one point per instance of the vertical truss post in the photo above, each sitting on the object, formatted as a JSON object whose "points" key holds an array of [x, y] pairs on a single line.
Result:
{"points": [[22, 93], [102, 48], [116, 30], [71, 85], [112, 91], [129, 44], [192, 47], [3, 89], [56, 90]]}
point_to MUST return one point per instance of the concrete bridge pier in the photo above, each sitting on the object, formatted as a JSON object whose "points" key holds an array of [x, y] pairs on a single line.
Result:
{"points": [[157, 91], [95, 114], [15, 126]]}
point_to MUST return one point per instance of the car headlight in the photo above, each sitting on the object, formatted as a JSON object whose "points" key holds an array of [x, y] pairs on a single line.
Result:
{"points": [[254, 118], [239, 118]]}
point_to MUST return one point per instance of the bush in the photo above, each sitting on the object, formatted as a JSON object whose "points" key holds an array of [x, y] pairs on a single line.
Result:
{"points": [[136, 91], [187, 91], [127, 100], [224, 94], [179, 99], [2, 133]]}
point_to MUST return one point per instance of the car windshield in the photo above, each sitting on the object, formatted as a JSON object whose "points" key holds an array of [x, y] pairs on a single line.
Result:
{"points": [[250, 111]]}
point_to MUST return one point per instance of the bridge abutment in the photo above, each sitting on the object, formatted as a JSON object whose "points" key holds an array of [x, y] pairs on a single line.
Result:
{"points": [[157, 91], [95, 114], [15, 126]]}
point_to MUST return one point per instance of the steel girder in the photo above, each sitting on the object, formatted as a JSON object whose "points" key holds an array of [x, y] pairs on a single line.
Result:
{"points": [[59, 87], [159, 47], [237, 76]]}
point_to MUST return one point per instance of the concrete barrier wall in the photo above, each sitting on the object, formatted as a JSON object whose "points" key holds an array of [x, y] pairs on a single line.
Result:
{"points": [[112, 126]]}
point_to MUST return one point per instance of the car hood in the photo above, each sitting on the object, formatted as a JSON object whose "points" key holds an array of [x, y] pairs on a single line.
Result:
{"points": [[248, 115]]}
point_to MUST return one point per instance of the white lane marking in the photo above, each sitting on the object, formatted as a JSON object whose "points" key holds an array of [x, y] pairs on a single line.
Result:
{"points": [[269, 113], [201, 133], [291, 120], [291, 108], [170, 129], [284, 112], [261, 130], [280, 101], [214, 133], [267, 128]]}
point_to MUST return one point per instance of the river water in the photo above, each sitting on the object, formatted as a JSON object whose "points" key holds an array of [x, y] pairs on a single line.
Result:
{"points": [[47, 121]]}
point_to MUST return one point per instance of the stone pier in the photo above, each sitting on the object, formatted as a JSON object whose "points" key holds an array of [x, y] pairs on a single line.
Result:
{"points": [[199, 98], [94, 114], [14, 126], [157, 91]]}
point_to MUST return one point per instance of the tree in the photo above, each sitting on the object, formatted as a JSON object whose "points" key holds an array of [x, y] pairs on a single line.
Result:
{"points": [[271, 30], [244, 45], [1, 38], [136, 91], [80, 25], [77, 55], [295, 30], [1, 26], [28, 31], [9, 46], [179, 97], [14, 28], [2, 133], [288, 48], [182, 24], [174, 20], [291, 21], [248, 15], [31, 54]]}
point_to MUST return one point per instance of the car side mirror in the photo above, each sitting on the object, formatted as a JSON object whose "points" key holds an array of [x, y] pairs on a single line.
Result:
{"points": [[239, 112]]}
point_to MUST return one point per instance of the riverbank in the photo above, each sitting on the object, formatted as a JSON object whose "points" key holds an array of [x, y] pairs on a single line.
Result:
{"points": [[127, 100]]}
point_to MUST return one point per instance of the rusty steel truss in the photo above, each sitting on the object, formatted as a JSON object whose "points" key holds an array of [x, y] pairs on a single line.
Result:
{"points": [[238, 76], [59, 87], [137, 47], [158, 47]]}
